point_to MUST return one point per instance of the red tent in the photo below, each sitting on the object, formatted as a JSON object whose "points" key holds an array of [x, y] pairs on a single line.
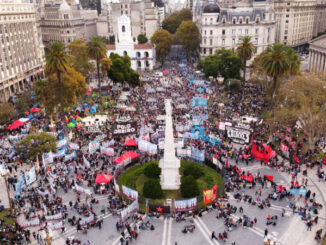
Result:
{"points": [[16, 124], [103, 178], [130, 142], [128, 155], [35, 109]]}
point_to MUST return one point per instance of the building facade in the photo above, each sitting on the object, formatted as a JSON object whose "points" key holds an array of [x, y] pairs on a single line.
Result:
{"points": [[320, 18], [317, 55], [65, 23], [142, 56], [21, 53], [223, 27], [144, 16], [295, 21]]}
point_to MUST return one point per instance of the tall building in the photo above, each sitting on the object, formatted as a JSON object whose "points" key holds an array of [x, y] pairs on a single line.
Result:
{"points": [[223, 27], [65, 23], [21, 53], [320, 18], [144, 16], [295, 21]]}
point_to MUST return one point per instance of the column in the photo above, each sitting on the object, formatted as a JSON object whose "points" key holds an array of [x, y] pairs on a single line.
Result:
{"points": [[315, 61], [313, 57], [309, 60]]}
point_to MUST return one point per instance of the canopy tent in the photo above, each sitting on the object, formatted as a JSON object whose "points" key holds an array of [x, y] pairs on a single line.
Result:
{"points": [[35, 109], [16, 124], [130, 155], [103, 178], [130, 142]]}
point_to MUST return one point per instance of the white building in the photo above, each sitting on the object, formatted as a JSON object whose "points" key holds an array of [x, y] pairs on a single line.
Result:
{"points": [[142, 56], [21, 52], [317, 54], [223, 27]]}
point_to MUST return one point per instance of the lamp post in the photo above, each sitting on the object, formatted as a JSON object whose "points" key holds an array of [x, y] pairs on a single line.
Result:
{"points": [[5, 173]]}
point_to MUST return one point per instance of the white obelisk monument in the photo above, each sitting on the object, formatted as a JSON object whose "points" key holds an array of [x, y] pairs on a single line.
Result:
{"points": [[170, 164]]}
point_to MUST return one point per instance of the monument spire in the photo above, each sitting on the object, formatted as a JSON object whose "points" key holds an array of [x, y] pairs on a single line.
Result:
{"points": [[170, 164]]}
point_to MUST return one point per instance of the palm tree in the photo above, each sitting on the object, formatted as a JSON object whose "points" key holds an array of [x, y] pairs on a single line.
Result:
{"points": [[275, 62], [106, 64], [96, 50], [245, 50], [294, 61], [57, 61]]}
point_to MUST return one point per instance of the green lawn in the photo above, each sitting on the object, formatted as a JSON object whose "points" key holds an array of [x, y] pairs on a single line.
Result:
{"points": [[8, 220], [134, 178]]}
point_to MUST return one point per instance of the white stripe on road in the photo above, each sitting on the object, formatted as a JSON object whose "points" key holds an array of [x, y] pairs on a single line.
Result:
{"points": [[170, 230], [203, 232], [164, 231], [206, 229]]}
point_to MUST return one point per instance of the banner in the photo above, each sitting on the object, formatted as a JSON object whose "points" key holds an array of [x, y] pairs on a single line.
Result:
{"points": [[93, 146], [210, 195], [124, 128], [54, 217], [197, 155], [33, 222], [129, 210], [86, 220], [47, 158], [299, 191], [222, 125], [116, 187], [107, 151], [83, 190], [19, 186], [145, 146], [59, 153], [130, 194], [30, 176], [56, 226], [185, 205], [93, 129], [238, 135], [86, 162], [70, 156], [73, 146], [262, 154], [159, 209], [198, 102], [62, 143]]}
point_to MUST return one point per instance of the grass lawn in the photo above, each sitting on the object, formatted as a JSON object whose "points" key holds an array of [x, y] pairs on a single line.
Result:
{"points": [[8, 220], [134, 178]]}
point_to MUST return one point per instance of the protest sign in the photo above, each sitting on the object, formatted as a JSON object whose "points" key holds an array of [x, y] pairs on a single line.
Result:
{"points": [[130, 194], [124, 128], [185, 205]]}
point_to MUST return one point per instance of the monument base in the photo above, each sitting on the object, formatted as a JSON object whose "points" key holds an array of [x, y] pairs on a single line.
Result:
{"points": [[170, 177]]}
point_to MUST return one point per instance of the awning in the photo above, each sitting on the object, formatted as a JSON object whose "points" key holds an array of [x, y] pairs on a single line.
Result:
{"points": [[130, 155], [103, 178], [130, 142]]}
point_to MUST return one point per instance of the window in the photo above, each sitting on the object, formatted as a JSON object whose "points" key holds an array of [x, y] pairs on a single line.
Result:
{"points": [[256, 41], [125, 53], [146, 54], [123, 28], [287, 16], [138, 64], [210, 51], [286, 32], [211, 32], [204, 50], [205, 32], [223, 32], [247, 20], [240, 31], [223, 42], [285, 37], [223, 21], [138, 54], [204, 40], [287, 21], [233, 31], [246, 31], [240, 20], [233, 41], [233, 20], [288, 10], [211, 42], [257, 31]]}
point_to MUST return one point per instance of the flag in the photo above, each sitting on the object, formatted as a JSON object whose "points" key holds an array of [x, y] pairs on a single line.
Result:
{"points": [[86, 162], [47, 158], [30, 176], [296, 158], [269, 177], [325, 158]]}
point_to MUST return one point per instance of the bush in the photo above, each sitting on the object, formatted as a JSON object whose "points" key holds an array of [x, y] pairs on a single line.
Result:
{"points": [[142, 39], [232, 85], [152, 189], [193, 170], [152, 171], [189, 187]]}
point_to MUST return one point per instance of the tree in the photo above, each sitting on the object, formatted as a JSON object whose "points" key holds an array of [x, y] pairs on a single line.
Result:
{"points": [[301, 101], [193, 170], [224, 63], [163, 41], [121, 71], [172, 23], [96, 50], [152, 189], [245, 50], [142, 38], [188, 35], [233, 85], [80, 59], [57, 62], [278, 61], [106, 64], [36, 144], [152, 170], [189, 187], [73, 84], [24, 102], [7, 111]]}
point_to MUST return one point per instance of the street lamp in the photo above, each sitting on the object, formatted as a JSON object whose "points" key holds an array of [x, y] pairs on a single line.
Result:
{"points": [[5, 173]]}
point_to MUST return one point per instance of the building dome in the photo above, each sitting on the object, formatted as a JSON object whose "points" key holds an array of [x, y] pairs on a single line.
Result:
{"points": [[211, 8], [64, 6]]}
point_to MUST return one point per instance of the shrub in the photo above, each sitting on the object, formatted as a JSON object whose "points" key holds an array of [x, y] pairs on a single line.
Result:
{"points": [[193, 170], [152, 189], [152, 170], [142, 39], [189, 187]]}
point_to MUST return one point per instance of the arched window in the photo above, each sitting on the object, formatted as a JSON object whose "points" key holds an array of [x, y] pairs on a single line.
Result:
{"points": [[123, 28], [125, 53], [146, 54], [138, 54], [139, 64]]}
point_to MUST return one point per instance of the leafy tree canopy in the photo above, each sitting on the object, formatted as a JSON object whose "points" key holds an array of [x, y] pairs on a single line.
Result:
{"points": [[163, 41], [172, 23], [7, 111], [142, 38], [188, 35]]}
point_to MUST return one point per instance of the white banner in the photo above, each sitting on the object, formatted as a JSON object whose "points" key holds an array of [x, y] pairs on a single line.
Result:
{"points": [[185, 205], [83, 190], [73, 146], [125, 213], [33, 222], [238, 135], [130, 194], [54, 217], [107, 151], [93, 146], [87, 220], [146, 146], [47, 158], [116, 187], [86, 162], [30, 176], [56, 226]]}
